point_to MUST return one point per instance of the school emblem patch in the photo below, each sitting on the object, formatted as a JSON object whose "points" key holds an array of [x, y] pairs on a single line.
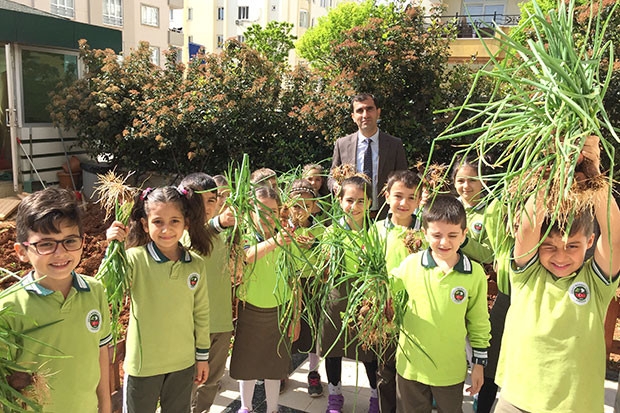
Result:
{"points": [[192, 280], [93, 321], [477, 227], [579, 293], [458, 295]]}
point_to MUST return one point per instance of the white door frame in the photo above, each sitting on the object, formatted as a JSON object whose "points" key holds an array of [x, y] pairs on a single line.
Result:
{"points": [[14, 118]]}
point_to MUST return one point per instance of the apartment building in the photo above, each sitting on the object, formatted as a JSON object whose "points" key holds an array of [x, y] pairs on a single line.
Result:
{"points": [[475, 19], [208, 23], [144, 20]]}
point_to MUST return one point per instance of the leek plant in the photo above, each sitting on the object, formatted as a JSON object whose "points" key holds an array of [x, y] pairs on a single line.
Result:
{"points": [[547, 99]]}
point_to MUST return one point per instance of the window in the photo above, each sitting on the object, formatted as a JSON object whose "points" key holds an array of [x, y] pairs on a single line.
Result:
{"points": [[244, 13], [190, 13], [63, 8], [303, 18], [220, 41], [155, 55], [190, 39], [149, 15], [485, 11], [326, 3], [220, 13], [113, 12], [241, 38], [42, 71]]}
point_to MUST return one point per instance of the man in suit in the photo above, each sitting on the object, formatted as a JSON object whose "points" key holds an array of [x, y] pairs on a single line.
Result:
{"points": [[386, 155]]}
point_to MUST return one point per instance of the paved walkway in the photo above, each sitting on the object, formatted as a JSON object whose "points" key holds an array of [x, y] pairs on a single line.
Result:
{"points": [[295, 398]]}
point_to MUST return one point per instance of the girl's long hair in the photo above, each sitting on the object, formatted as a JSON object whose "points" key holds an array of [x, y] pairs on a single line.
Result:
{"points": [[188, 202]]}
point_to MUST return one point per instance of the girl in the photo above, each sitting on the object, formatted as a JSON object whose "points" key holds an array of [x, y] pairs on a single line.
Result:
{"points": [[260, 350], [315, 174], [468, 185], [307, 230], [168, 334], [220, 288], [355, 198]]}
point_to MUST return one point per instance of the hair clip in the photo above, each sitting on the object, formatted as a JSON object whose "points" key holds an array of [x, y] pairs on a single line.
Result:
{"points": [[182, 190], [145, 193]]}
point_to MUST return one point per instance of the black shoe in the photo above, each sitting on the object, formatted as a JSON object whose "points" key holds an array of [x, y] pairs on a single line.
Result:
{"points": [[315, 388]]}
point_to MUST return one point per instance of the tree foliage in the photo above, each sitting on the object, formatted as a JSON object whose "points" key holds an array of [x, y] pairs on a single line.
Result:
{"points": [[274, 41]]}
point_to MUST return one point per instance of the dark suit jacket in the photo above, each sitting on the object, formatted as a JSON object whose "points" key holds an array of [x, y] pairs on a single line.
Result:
{"points": [[391, 158]]}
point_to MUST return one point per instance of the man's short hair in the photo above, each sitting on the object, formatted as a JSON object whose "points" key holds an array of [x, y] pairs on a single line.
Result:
{"points": [[44, 211], [362, 97], [444, 208]]}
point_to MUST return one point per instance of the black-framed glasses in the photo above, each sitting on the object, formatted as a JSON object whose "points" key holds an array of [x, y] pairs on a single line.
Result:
{"points": [[49, 246]]}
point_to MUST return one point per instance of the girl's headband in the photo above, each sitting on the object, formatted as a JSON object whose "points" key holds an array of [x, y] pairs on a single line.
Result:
{"points": [[303, 189]]}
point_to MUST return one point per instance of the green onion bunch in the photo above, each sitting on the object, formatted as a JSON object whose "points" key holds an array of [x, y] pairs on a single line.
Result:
{"points": [[116, 198], [547, 99]]}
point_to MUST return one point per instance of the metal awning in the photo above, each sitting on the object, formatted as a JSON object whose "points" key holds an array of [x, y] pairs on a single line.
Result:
{"points": [[25, 25]]}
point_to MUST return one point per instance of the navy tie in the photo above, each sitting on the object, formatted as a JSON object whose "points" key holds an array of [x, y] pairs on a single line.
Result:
{"points": [[368, 160]]}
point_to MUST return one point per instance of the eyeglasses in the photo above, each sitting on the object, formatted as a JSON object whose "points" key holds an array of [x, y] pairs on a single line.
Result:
{"points": [[49, 246]]}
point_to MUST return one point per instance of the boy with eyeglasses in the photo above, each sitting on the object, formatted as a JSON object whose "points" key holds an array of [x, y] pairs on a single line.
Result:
{"points": [[64, 315]]}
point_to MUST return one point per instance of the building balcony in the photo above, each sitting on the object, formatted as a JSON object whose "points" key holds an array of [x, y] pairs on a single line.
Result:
{"points": [[175, 37], [472, 31], [175, 4]]}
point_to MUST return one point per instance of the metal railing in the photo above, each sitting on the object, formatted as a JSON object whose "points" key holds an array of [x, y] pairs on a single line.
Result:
{"points": [[478, 25]]}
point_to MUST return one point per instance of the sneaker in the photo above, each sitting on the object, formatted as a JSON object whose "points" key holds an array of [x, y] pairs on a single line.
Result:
{"points": [[315, 388], [373, 407], [335, 403]]}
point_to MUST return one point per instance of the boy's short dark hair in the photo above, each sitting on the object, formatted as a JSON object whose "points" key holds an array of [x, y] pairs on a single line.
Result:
{"points": [[444, 208], [44, 211], [582, 222], [409, 178]]}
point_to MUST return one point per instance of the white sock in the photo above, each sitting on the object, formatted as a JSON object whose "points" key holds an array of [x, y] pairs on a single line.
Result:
{"points": [[246, 388], [272, 394], [373, 393], [337, 389], [313, 358]]}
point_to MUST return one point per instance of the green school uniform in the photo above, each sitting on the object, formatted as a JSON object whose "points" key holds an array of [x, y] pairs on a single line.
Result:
{"points": [[442, 309], [261, 285], [501, 241], [169, 319], [66, 333], [393, 235], [553, 348], [476, 245]]}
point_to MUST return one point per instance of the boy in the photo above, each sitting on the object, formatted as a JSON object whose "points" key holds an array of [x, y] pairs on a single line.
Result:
{"points": [[553, 352], [402, 194], [447, 302], [65, 315]]}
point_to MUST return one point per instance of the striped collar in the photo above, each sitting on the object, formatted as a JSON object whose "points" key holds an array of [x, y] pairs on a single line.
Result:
{"points": [[463, 265], [479, 206], [415, 222], [159, 257], [30, 284]]}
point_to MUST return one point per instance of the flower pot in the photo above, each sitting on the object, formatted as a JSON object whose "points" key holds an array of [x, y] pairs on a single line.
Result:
{"points": [[73, 165], [65, 180]]}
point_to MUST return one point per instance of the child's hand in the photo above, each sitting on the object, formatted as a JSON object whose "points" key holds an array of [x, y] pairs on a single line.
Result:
{"points": [[305, 241], [227, 218], [283, 237], [477, 379], [117, 231], [202, 372]]}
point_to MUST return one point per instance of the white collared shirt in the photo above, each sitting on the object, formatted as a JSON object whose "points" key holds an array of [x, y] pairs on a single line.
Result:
{"points": [[359, 162]]}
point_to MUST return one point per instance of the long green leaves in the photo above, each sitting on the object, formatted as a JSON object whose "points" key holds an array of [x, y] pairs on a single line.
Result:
{"points": [[548, 98]]}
